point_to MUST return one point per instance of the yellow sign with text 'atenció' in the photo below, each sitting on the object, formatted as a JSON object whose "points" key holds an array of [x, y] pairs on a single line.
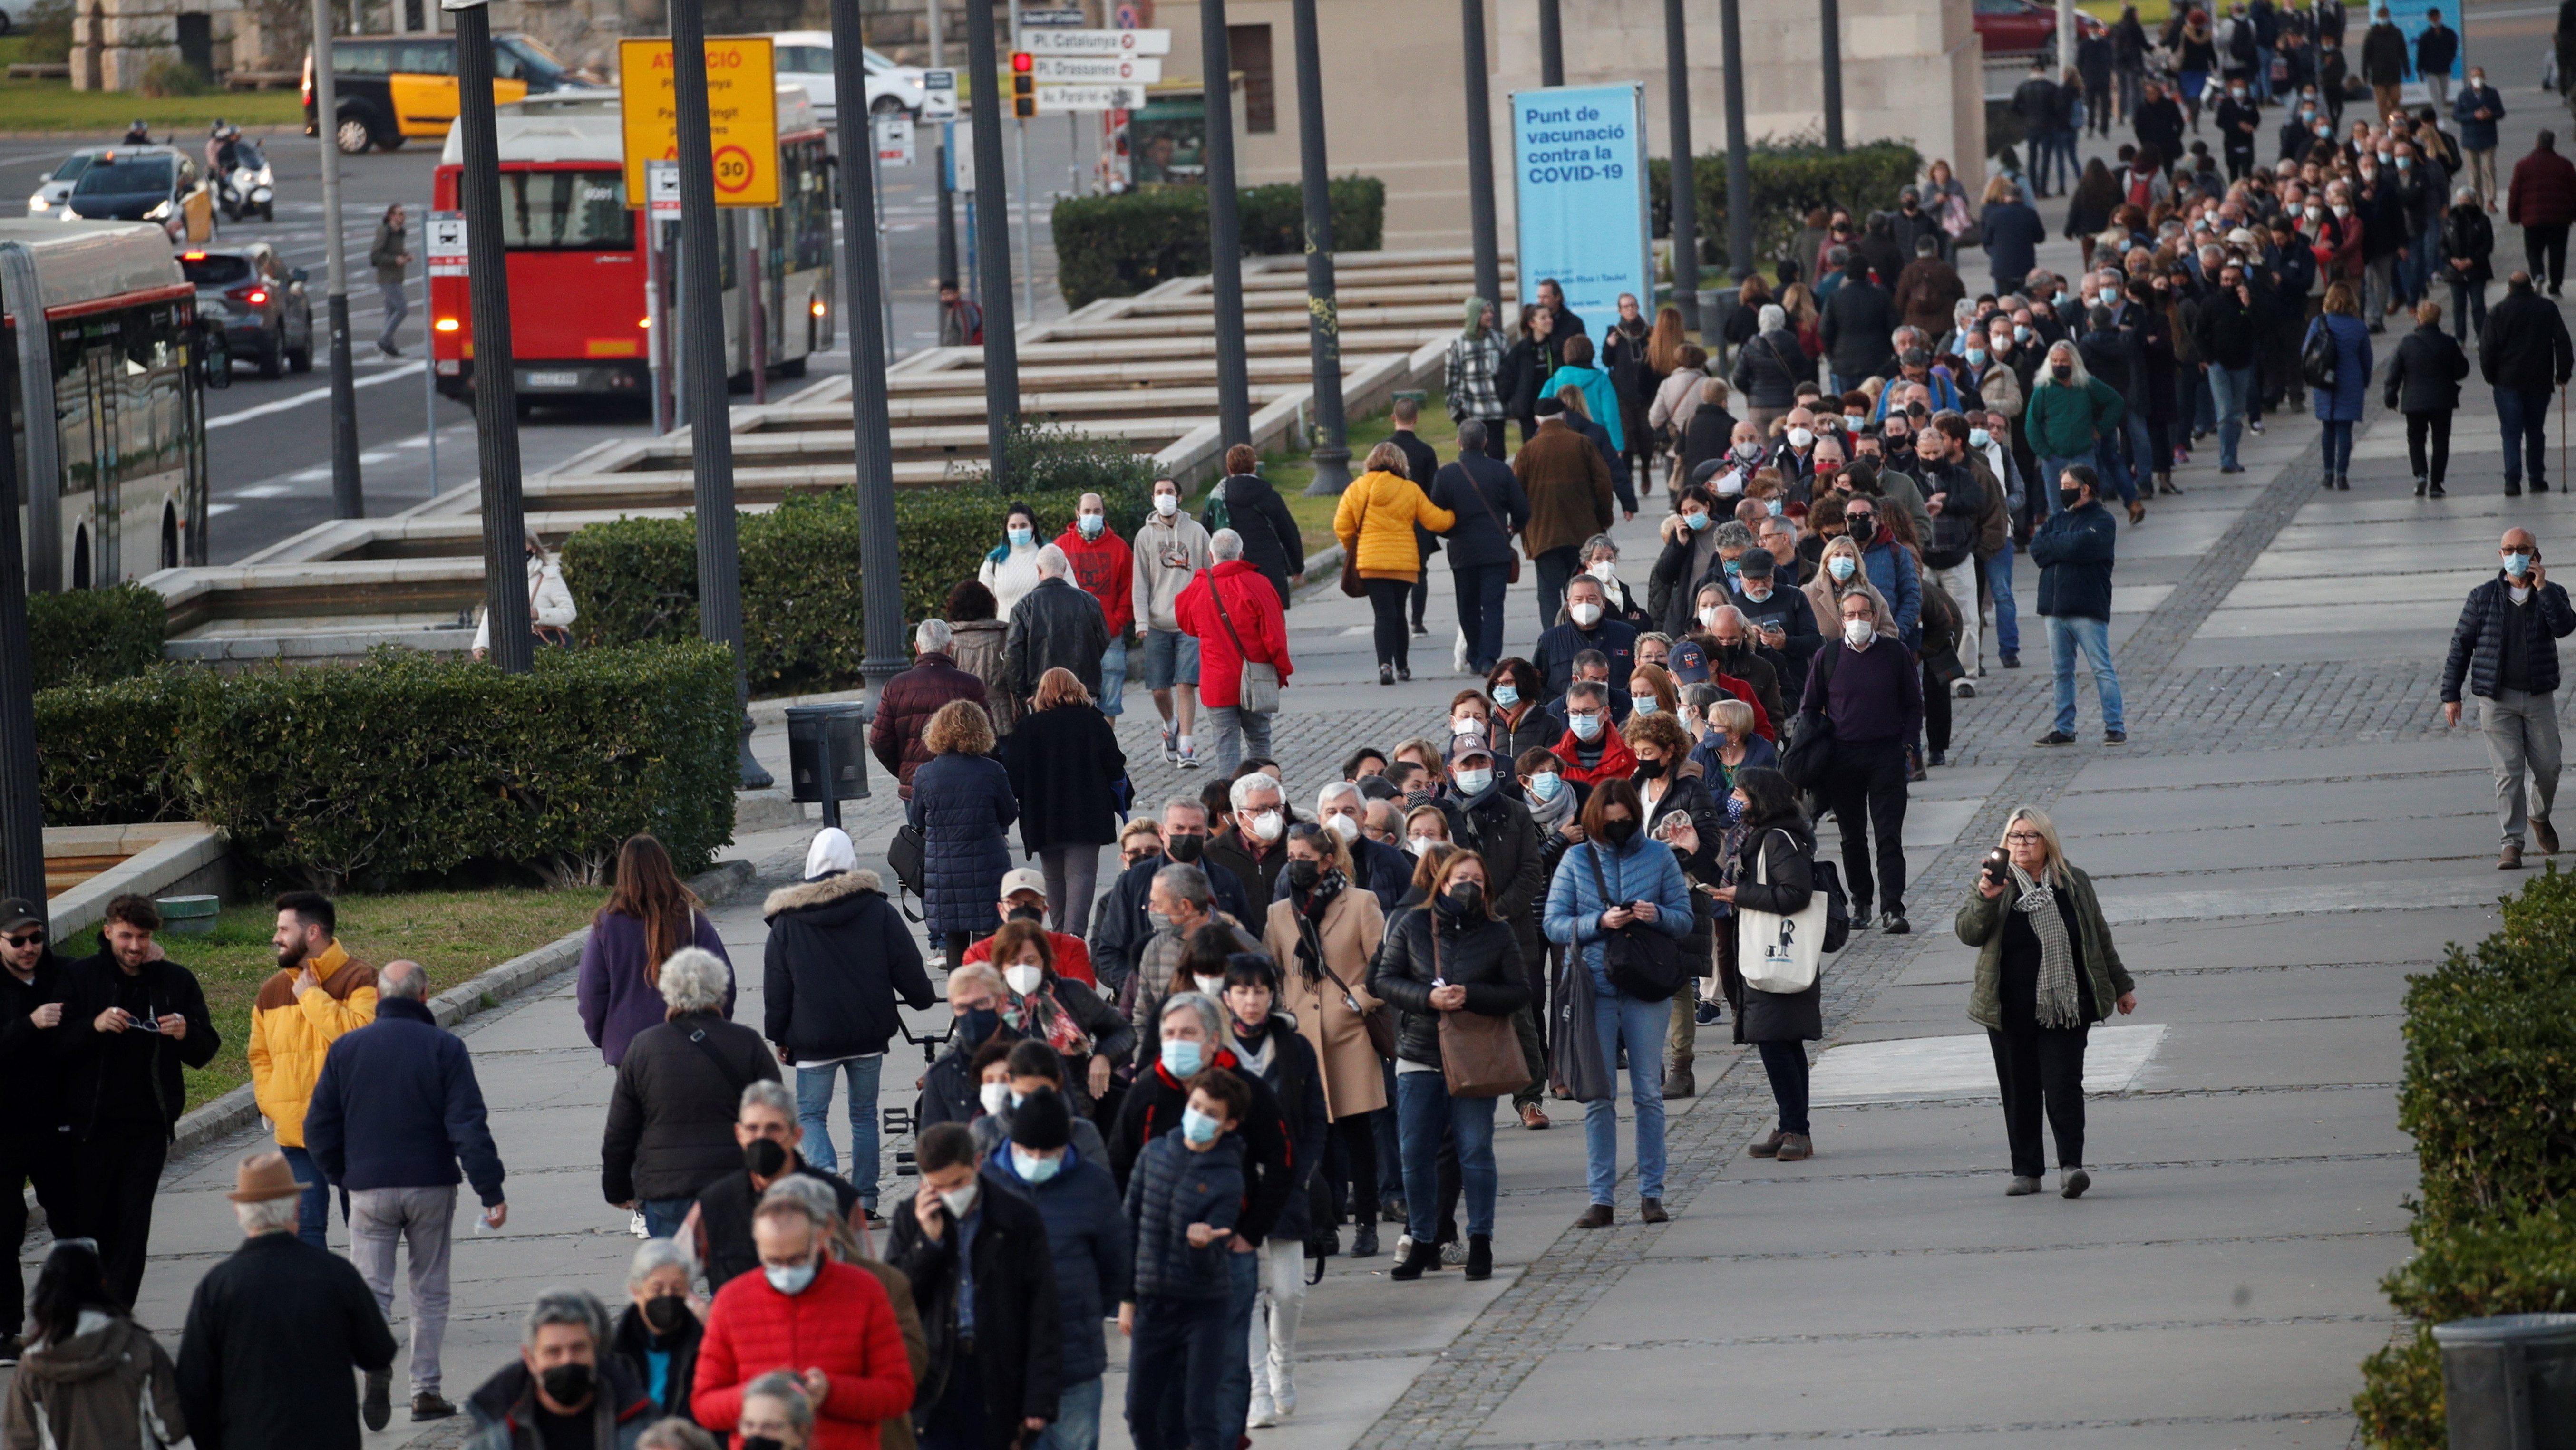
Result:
{"points": [[742, 115]]}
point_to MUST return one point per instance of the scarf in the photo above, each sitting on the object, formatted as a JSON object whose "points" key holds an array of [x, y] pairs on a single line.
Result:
{"points": [[1253, 1049], [1040, 1015], [1310, 921], [2058, 1004], [1551, 816]]}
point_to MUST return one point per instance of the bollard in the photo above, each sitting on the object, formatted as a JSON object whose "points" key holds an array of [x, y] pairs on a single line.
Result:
{"points": [[2509, 1382], [828, 743]]}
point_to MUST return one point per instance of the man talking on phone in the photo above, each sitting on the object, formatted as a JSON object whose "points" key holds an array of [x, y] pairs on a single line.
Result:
{"points": [[2506, 646]]}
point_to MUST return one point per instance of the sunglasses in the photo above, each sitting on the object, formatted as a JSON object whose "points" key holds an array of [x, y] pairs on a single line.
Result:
{"points": [[26, 939]]}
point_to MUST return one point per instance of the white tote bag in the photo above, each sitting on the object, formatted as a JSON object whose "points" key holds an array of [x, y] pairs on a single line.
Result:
{"points": [[1775, 953]]}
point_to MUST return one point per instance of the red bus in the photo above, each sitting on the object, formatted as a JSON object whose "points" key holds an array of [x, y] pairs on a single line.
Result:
{"points": [[579, 311]]}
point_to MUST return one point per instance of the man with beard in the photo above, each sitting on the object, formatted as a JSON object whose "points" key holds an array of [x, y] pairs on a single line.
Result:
{"points": [[318, 994]]}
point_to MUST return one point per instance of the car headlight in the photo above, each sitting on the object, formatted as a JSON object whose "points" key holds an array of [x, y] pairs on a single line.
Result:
{"points": [[158, 213], [38, 203]]}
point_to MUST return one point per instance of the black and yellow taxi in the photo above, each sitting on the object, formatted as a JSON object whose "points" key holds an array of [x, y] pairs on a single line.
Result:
{"points": [[388, 89]]}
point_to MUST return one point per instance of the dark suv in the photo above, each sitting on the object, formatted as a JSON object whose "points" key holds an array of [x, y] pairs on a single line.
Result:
{"points": [[266, 314]]}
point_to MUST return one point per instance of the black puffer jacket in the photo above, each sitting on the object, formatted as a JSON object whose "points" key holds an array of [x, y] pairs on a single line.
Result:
{"points": [[1769, 368], [1787, 872], [1255, 510], [1296, 1079], [2477, 643], [837, 960], [1515, 864], [1857, 321], [1055, 626], [2425, 375], [671, 1115], [1485, 958]]}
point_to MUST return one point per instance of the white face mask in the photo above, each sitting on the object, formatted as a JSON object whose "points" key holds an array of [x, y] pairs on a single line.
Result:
{"points": [[1586, 615], [1858, 633], [1604, 570], [1708, 616], [1166, 504], [1466, 725], [959, 1200], [995, 1096], [1213, 986], [1472, 782], [1416, 845], [792, 1279], [1267, 825], [1801, 437], [1342, 826], [1024, 978]]}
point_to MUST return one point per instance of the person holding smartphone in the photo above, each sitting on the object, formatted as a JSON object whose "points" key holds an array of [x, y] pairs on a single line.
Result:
{"points": [[2046, 972], [2505, 649]]}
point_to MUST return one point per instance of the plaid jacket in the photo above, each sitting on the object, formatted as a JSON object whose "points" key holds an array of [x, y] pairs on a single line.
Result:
{"points": [[1470, 382]]}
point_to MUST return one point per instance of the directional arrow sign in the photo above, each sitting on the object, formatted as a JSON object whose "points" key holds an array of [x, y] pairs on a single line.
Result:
{"points": [[1096, 42], [1056, 99], [1102, 70]]}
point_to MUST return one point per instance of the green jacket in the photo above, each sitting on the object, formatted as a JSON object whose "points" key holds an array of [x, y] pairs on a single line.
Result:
{"points": [[1981, 925], [2062, 423]]}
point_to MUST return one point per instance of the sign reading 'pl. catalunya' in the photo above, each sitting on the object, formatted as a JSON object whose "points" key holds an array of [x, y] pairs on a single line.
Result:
{"points": [[1579, 174]]}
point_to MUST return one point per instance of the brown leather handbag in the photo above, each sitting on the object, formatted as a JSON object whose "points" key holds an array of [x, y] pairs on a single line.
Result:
{"points": [[1480, 1056]]}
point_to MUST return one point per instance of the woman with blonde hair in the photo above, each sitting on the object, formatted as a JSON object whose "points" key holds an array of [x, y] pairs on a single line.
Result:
{"points": [[2046, 972], [1835, 579], [1805, 317], [2340, 406], [961, 803], [1375, 523], [1065, 766]]}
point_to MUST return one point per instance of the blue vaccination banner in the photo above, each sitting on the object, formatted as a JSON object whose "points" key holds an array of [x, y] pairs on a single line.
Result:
{"points": [[1579, 169], [2411, 19]]}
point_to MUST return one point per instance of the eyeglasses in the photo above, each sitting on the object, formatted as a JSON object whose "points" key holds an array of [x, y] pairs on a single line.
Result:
{"points": [[2023, 836], [27, 939]]}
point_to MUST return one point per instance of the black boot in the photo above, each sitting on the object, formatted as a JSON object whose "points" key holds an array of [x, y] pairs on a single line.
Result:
{"points": [[1480, 1256], [1364, 1241], [1417, 1258]]}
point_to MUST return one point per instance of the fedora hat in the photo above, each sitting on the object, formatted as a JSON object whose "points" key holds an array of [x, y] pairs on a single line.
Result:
{"points": [[265, 1176]]}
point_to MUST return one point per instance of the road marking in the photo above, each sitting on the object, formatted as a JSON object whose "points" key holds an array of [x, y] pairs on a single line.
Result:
{"points": [[313, 395], [265, 490], [1911, 1069], [213, 509], [381, 455]]}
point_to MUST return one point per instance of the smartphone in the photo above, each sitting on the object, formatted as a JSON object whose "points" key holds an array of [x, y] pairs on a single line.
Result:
{"points": [[1996, 863]]}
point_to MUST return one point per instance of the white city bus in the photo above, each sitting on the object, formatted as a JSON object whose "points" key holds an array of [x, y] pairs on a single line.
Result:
{"points": [[116, 488]]}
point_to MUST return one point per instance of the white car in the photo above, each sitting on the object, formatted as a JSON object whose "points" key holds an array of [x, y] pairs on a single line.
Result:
{"points": [[56, 184], [805, 59]]}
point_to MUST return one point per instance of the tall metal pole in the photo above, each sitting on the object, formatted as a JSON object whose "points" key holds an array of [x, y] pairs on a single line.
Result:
{"points": [[992, 219], [1480, 161], [871, 419], [1225, 230], [22, 801], [1684, 171], [348, 497], [1739, 168], [1551, 44], [947, 137], [496, 391], [1829, 19], [1028, 243], [2065, 36], [703, 355], [1332, 452]]}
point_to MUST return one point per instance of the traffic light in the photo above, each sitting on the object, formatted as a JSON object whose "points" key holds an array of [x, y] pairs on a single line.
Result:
{"points": [[1024, 85]]}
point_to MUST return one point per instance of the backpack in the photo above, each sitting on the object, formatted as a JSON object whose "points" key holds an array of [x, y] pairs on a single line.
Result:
{"points": [[2317, 357], [1829, 883]]}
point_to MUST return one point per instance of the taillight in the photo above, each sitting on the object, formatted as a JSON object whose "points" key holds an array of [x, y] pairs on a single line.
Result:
{"points": [[256, 298], [447, 324]]}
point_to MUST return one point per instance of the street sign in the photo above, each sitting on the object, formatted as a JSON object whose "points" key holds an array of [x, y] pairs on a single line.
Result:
{"points": [[1069, 18], [1579, 164], [446, 244], [1098, 70], [939, 95], [662, 187], [961, 157], [894, 140], [1097, 42], [1056, 100], [742, 115]]}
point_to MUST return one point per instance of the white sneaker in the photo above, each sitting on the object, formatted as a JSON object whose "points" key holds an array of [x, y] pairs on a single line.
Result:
{"points": [[1171, 746], [1264, 1415], [1188, 759], [1283, 1394], [1454, 1252], [635, 1225]]}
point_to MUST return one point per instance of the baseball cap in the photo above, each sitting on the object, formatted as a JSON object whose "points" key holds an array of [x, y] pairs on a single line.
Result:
{"points": [[1689, 663], [1467, 747], [17, 912], [1024, 879]]}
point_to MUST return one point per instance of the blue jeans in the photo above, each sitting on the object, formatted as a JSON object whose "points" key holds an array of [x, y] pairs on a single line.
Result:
{"points": [[1234, 1393], [814, 1115], [2134, 469], [663, 1216], [2007, 613], [1389, 1135], [1423, 1107], [1077, 1418], [1176, 1369], [313, 1206], [1621, 1018], [1171, 658], [1480, 611], [2053, 469], [2468, 310], [2066, 635], [1113, 677], [2232, 387], [2335, 443], [2524, 417]]}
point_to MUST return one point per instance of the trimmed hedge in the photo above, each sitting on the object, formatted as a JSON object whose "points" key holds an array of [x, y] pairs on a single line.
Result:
{"points": [[637, 579], [412, 766], [91, 636], [2489, 1096], [1118, 246], [1788, 180]]}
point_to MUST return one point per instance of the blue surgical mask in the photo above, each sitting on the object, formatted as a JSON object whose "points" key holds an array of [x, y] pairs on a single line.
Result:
{"points": [[1198, 1127], [1091, 525], [1979, 438], [1585, 727], [1695, 521], [2021, 332], [1733, 568], [1546, 786], [1645, 705], [794, 1280], [1021, 538], [1032, 1168], [2060, 298], [1182, 1058], [1473, 782], [1507, 695], [1976, 357], [2517, 565], [1841, 567], [1774, 505], [2405, 163]]}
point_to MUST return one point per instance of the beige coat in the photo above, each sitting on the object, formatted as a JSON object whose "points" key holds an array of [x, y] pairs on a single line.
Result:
{"points": [[1353, 925]]}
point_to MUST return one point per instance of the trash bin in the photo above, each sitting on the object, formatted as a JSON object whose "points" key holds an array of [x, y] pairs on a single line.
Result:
{"points": [[828, 743], [2509, 1383], [190, 914]]}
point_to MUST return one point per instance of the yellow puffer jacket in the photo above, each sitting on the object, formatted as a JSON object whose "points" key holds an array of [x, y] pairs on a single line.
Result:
{"points": [[1375, 524], [290, 1034]]}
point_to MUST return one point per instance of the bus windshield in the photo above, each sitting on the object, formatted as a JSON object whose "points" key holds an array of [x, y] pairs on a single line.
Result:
{"points": [[565, 211], [125, 176]]}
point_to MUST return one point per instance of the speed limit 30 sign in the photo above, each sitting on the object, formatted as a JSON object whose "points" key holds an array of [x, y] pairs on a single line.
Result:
{"points": [[742, 115]]}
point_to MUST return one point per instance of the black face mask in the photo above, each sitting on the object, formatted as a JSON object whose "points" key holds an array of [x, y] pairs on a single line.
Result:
{"points": [[2062, 372], [1650, 770], [666, 1312], [764, 1158], [1185, 849], [978, 1024], [1620, 832], [763, 1442], [1304, 874], [567, 1384], [1463, 899], [2068, 498], [1026, 913]]}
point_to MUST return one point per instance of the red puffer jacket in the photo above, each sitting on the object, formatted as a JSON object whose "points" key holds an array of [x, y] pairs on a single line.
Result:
{"points": [[842, 1324]]}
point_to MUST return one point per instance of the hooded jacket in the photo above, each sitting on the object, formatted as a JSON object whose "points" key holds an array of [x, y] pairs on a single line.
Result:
{"points": [[1247, 504], [290, 1031], [839, 957], [1105, 569], [1169, 553], [109, 1387]]}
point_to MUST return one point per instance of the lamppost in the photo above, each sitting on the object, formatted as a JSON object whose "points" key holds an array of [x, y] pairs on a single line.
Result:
{"points": [[1684, 171], [1551, 44], [22, 802], [992, 244], [496, 392], [1225, 230], [1829, 18], [1480, 158], [348, 498], [871, 421], [1331, 452], [1739, 168]]}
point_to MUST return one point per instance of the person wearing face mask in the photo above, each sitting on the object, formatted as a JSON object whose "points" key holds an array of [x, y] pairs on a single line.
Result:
{"points": [[2505, 649], [1185, 1202], [983, 1275], [1774, 605], [1834, 582], [671, 1114], [1769, 867], [1871, 690], [1010, 571], [1266, 1041], [1482, 793], [1591, 749], [1171, 548], [1121, 921], [771, 1141], [1675, 793], [1104, 567], [1044, 1161], [1341, 813], [2477, 108], [1180, 904], [829, 1326], [1254, 845], [1024, 899], [2240, 120], [776, 1414], [657, 1333], [567, 1388], [1325, 934], [1588, 625], [977, 1000], [2075, 551], [1008, 1079], [2070, 412], [1518, 721], [1089, 1033]]}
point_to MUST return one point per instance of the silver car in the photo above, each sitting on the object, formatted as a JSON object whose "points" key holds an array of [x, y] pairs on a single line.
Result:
{"points": [[57, 184]]}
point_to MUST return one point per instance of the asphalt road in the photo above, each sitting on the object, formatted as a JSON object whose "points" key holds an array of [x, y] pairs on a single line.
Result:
{"points": [[270, 441]]}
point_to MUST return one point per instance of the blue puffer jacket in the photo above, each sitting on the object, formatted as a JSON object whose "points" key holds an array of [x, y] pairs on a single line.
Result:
{"points": [[1645, 871], [962, 804], [2477, 641], [1087, 1230], [2350, 395], [1170, 1189], [1892, 572]]}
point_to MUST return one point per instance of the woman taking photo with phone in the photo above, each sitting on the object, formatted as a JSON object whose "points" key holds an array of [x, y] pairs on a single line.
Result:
{"points": [[2046, 972]]}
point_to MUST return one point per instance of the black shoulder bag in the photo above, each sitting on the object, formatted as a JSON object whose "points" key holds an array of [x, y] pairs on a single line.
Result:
{"points": [[1644, 963]]}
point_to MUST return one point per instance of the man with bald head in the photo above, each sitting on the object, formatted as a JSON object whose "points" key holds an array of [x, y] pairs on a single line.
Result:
{"points": [[394, 1114], [2506, 646]]}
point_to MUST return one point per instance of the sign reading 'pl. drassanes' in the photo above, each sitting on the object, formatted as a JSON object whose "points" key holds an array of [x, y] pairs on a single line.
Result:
{"points": [[1579, 175]]}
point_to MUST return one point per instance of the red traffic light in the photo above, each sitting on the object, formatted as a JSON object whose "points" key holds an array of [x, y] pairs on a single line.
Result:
{"points": [[1023, 62]]}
